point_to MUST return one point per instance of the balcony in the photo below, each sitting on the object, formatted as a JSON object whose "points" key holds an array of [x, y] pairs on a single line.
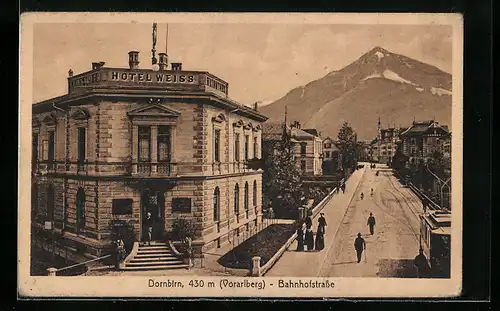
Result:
{"points": [[152, 169]]}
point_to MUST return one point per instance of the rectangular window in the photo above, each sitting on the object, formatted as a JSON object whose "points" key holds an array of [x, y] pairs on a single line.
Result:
{"points": [[81, 144], [122, 207], [328, 154], [255, 147], [181, 205], [236, 147], [45, 150], [247, 141], [216, 145], [303, 147], [164, 144], [34, 156], [52, 146], [144, 144]]}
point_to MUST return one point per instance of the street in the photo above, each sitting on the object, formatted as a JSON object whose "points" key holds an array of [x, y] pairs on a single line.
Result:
{"points": [[395, 243]]}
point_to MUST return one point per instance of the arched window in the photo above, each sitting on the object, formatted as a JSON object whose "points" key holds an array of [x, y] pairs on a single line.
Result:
{"points": [[246, 199], [80, 209], [216, 204], [254, 193], [50, 203], [236, 200], [34, 201]]}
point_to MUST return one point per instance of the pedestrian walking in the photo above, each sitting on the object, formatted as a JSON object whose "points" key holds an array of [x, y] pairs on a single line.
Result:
{"points": [[420, 263], [319, 243], [322, 221], [300, 237], [148, 224], [371, 223], [359, 246], [362, 195], [309, 239], [371, 192], [308, 220]]}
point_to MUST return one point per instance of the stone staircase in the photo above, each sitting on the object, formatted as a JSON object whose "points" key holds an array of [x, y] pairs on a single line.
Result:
{"points": [[157, 256]]}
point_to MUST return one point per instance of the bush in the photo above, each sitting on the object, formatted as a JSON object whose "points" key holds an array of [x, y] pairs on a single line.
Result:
{"points": [[264, 244], [183, 227]]}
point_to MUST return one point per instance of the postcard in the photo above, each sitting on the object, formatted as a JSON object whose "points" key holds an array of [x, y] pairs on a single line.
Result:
{"points": [[182, 155]]}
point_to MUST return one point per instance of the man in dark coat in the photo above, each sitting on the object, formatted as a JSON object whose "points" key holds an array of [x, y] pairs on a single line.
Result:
{"points": [[148, 224], [359, 245], [420, 263], [322, 222], [371, 223]]}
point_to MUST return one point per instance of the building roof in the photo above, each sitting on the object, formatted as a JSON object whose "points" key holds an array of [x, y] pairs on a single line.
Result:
{"points": [[312, 132], [422, 126], [298, 133]]}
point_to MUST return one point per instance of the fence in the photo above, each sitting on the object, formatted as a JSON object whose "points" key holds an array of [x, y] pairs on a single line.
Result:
{"points": [[424, 198], [53, 252], [55, 271]]}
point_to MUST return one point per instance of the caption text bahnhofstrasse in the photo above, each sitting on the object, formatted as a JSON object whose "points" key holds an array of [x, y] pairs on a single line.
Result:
{"points": [[259, 284]]}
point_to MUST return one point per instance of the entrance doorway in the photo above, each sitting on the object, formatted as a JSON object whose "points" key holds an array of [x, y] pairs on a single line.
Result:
{"points": [[154, 203]]}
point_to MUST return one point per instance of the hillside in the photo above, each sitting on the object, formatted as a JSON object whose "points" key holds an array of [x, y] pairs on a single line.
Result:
{"points": [[379, 84]]}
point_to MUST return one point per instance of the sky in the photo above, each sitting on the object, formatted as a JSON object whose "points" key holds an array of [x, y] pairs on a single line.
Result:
{"points": [[261, 62]]}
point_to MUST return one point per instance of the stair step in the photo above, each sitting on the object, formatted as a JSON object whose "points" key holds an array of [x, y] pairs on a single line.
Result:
{"points": [[147, 251], [153, 245], [138, 256], [153, 263], [148, 259], [169, 267]]}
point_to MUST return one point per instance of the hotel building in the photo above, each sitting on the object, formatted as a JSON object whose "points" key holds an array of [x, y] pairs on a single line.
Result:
{"points": [[126, 141]]}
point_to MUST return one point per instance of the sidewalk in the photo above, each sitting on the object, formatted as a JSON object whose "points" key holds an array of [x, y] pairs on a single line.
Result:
{"points": [[303, 264]]}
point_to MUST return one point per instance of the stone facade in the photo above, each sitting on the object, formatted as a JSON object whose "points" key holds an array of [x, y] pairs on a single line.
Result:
{"points": [[89, 167]]}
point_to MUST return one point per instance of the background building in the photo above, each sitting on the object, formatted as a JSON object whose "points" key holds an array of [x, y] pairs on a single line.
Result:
{"points": [[422, 139], [127, 141], [332, 159], [384, 147]]}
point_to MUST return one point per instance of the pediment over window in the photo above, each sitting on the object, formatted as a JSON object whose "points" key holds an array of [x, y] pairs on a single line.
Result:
{"points": [[80, 114], [154, 111], [35, 122], [239, 123], [219, 118], [50, 119]]}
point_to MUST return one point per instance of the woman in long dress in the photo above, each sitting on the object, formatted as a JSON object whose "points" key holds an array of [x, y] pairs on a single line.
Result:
{"points": [[320, 238], [300, 237], [309, 239]]}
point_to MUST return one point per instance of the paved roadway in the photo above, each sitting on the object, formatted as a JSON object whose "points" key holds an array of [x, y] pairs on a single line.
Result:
{"points": [[390, 251]]}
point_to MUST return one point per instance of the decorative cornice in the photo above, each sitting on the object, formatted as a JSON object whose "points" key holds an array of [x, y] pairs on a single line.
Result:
{"points": [[240, 123], [220, 118], [80, 114]]}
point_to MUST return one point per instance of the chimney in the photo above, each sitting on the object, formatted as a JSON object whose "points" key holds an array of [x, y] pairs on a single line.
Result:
{"points": [[98, 65], [163, 61], [176, 66], [256, 106], [133, 59]]}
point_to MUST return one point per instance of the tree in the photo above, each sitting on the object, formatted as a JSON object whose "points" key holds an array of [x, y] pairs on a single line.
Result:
{"points": [[399, 160], [183, 228], [281, 180], [348, 146]]}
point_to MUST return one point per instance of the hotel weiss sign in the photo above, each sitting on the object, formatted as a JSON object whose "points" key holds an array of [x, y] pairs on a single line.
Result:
{"points": [[127, 76]]}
